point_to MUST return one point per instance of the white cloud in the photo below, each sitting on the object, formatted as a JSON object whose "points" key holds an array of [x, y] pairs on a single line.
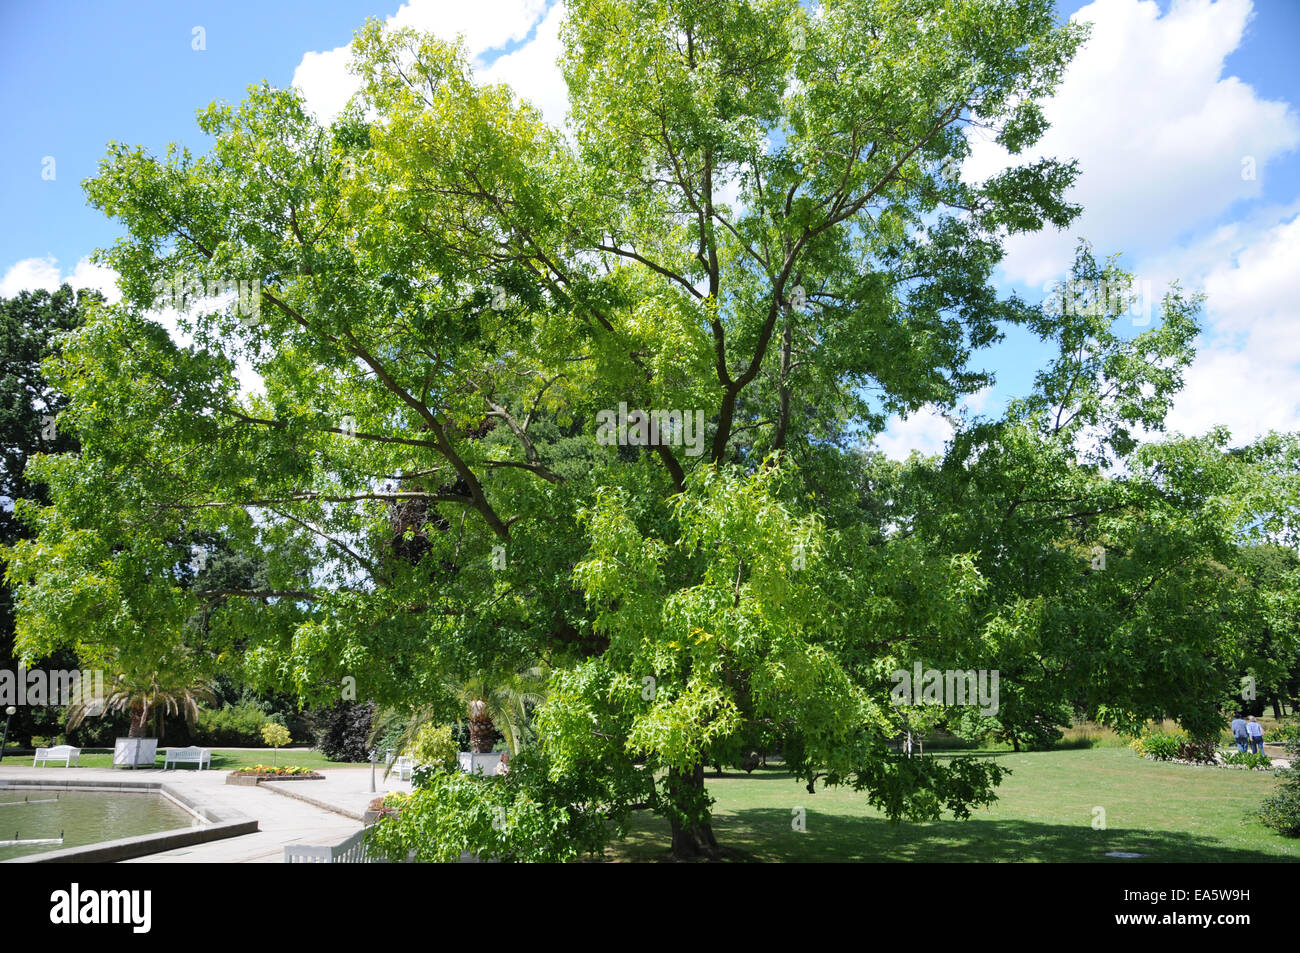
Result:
{"points": [[925, 431], [32, 274], [325, 81], [1159, 132], [533, 72], [486, 27], [1246, 375]]}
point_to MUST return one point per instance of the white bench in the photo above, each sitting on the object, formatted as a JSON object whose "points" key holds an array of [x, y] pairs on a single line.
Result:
{"points": [[403, 767], [70, 756], [192, 755]]}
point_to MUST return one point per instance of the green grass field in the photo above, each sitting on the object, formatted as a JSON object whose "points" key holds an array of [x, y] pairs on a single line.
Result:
{"points": [[1044, 812], [222, 759]]}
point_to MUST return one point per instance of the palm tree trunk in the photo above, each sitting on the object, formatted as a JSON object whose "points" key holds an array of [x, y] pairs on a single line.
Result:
{"points": [[482, 735], [139, 719]]}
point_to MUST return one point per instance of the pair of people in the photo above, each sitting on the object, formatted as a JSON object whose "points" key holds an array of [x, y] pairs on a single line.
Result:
{"points": [[1248, 731]]}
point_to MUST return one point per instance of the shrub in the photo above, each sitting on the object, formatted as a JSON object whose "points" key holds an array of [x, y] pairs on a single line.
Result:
{"points": [[238, 726], [1281, 809], [342, 730], [1159, 746], [275, 734], [1201, 750], [1248, 760], [434, 746], [521, 816], [488, 816]]}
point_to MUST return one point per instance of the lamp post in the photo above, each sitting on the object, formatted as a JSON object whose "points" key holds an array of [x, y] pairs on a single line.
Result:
{"points": [[9, 713], [373, 752]]}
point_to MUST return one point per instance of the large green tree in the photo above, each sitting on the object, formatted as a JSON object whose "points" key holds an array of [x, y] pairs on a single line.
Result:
{"points": [[753, 214]]}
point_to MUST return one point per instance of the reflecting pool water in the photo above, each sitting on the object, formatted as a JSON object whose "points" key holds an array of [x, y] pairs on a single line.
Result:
{"points": [[83, 817]]}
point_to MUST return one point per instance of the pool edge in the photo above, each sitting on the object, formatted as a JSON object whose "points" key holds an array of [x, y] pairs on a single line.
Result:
{"points": [[217, 825]]}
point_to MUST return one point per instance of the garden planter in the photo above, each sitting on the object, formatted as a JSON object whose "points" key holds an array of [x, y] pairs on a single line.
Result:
{"points": [[251, 778], [475, 762], [376, 810], [135, 752]]}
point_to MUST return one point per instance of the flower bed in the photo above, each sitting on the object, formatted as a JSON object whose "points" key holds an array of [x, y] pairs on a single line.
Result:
{"points": [[1234, 761], [265, 772]]}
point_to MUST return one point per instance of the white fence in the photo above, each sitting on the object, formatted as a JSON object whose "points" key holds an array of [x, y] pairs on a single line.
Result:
{"points": [[351, 851]]}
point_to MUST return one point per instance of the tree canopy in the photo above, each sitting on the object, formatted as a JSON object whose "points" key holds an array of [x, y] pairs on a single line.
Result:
{"points": [[752, 213]]}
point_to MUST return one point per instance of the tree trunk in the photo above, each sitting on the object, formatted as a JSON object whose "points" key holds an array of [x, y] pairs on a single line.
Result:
{"points": [[482, 736], [692, 838], [139, 721]]}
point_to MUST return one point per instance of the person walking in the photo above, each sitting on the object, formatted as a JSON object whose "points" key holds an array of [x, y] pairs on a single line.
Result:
{"points": [[1239, 733], [1255, 731]]}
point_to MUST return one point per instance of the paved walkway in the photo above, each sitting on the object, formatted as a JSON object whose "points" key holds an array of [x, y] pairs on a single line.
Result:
{"points": [[345, 790], [331, 814]]}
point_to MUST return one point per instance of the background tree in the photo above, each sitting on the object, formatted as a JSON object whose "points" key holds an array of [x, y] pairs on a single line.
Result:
{"points": [[30, 326], [1273, 646]]}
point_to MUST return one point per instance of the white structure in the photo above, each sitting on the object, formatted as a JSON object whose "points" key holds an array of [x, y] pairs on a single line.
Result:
{"points": [[191, 755], [70, 756], [472, 762], [135, 752]]}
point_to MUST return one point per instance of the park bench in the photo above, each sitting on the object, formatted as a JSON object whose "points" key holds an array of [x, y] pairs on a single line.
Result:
{"points": [[69, 755], [191, 755], [403, 767]]}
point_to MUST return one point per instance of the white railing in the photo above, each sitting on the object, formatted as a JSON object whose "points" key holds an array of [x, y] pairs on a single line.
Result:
{"points": [[351, 851]]}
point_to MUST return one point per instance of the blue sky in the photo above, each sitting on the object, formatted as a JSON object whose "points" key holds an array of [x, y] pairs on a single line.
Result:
{"points": [[1162, 109]]}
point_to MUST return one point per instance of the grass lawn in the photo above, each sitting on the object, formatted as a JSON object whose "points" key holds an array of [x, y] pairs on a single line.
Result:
{"points": [[1044, 812], [222, 759]]}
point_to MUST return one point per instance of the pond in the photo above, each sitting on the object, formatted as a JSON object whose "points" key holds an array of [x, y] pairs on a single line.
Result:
{"points": [[83, 817]]}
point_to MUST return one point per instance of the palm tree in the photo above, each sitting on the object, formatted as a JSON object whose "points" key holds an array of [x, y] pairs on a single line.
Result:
{"points": [[144, 692], [490, 704], [493, 704]]}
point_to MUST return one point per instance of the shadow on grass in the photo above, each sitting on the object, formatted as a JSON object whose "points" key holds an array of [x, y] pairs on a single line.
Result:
{"points": [[765, 834], [223, 762]]}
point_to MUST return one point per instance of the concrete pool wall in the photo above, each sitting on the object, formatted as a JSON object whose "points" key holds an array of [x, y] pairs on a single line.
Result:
{"points": [[217, 823]]}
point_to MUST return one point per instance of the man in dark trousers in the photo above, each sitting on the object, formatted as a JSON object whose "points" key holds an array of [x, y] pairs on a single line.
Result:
{"points": [[1256, 733], [1239, 733]]}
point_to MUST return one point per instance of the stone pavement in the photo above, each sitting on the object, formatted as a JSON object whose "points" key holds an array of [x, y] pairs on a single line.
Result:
{"points": [[322, 812], [345, 790]]}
